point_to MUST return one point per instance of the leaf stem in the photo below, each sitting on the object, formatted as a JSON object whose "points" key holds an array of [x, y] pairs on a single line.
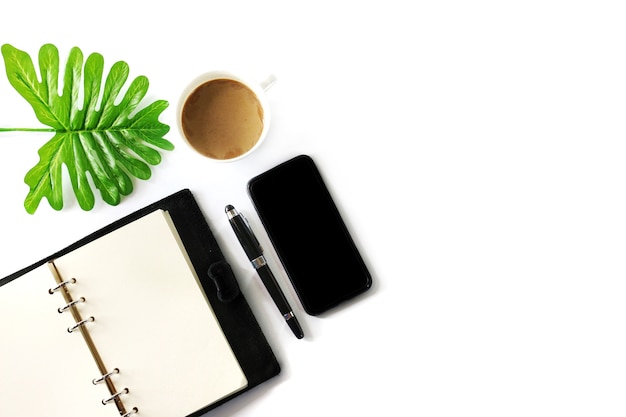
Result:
{"points": [[25, 129]]}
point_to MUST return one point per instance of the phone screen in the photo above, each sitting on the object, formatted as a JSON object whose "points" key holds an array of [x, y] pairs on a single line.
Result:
{"points": [[309, 235]]}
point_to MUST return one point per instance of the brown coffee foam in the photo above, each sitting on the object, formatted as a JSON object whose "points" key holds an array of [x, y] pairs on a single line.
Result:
{"points": [[222, 119]]}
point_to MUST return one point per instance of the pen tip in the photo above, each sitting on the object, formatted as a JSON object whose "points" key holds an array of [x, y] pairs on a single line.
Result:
{"points": [[295, 327], [228, 208]]}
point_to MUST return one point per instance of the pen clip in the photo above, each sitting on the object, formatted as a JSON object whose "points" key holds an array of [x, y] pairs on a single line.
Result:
{"points": [[250, 232]]}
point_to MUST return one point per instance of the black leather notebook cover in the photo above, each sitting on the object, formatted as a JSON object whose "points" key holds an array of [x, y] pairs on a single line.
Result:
{"points": [[241, 328]]}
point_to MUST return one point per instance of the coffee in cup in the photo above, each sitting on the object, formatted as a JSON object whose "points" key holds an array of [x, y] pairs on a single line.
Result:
{"points": [[224, 116]]}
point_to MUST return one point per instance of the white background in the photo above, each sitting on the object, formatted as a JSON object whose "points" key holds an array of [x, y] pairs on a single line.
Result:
{"points": [[475, 149]]}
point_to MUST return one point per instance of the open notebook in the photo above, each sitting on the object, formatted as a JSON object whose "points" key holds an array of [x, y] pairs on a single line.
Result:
{"points": [[123, 323]]}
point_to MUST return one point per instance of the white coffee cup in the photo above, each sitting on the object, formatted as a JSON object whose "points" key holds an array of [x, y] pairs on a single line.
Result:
{"points": [[224, 116]]}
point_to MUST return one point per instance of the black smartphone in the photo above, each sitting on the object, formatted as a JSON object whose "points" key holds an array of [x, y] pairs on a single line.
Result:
{"points": [[309, 234]]}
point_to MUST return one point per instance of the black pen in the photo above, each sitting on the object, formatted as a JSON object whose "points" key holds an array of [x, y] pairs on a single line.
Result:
{"points": [[253, 250]]}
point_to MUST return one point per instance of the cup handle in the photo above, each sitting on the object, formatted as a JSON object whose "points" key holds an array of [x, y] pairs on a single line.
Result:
{"points": [[269, 82]]}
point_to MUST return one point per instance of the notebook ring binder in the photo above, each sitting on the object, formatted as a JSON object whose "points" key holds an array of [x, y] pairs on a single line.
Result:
{"points": [[80, 323], [61, 285], [101, 378], [135, 410], [114, 396], [70, 304], [176, 230]]}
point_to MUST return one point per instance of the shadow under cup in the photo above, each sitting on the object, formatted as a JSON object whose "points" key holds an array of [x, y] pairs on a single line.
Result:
{"points": [[223, 117]]}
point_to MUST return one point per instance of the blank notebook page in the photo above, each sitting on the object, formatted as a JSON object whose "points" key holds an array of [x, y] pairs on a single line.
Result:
{"points": [[44, 370], [152, 322]]}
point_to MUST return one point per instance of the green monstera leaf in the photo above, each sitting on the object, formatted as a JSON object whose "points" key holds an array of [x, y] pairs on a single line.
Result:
{"points": [[94, 133]]}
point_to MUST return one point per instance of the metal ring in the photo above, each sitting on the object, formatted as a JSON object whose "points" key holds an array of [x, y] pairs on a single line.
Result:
{"points": [[133, 411], [98, 380], [258, 262], [114, 396], [67, 306], [61, 285], [80, 323]]}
